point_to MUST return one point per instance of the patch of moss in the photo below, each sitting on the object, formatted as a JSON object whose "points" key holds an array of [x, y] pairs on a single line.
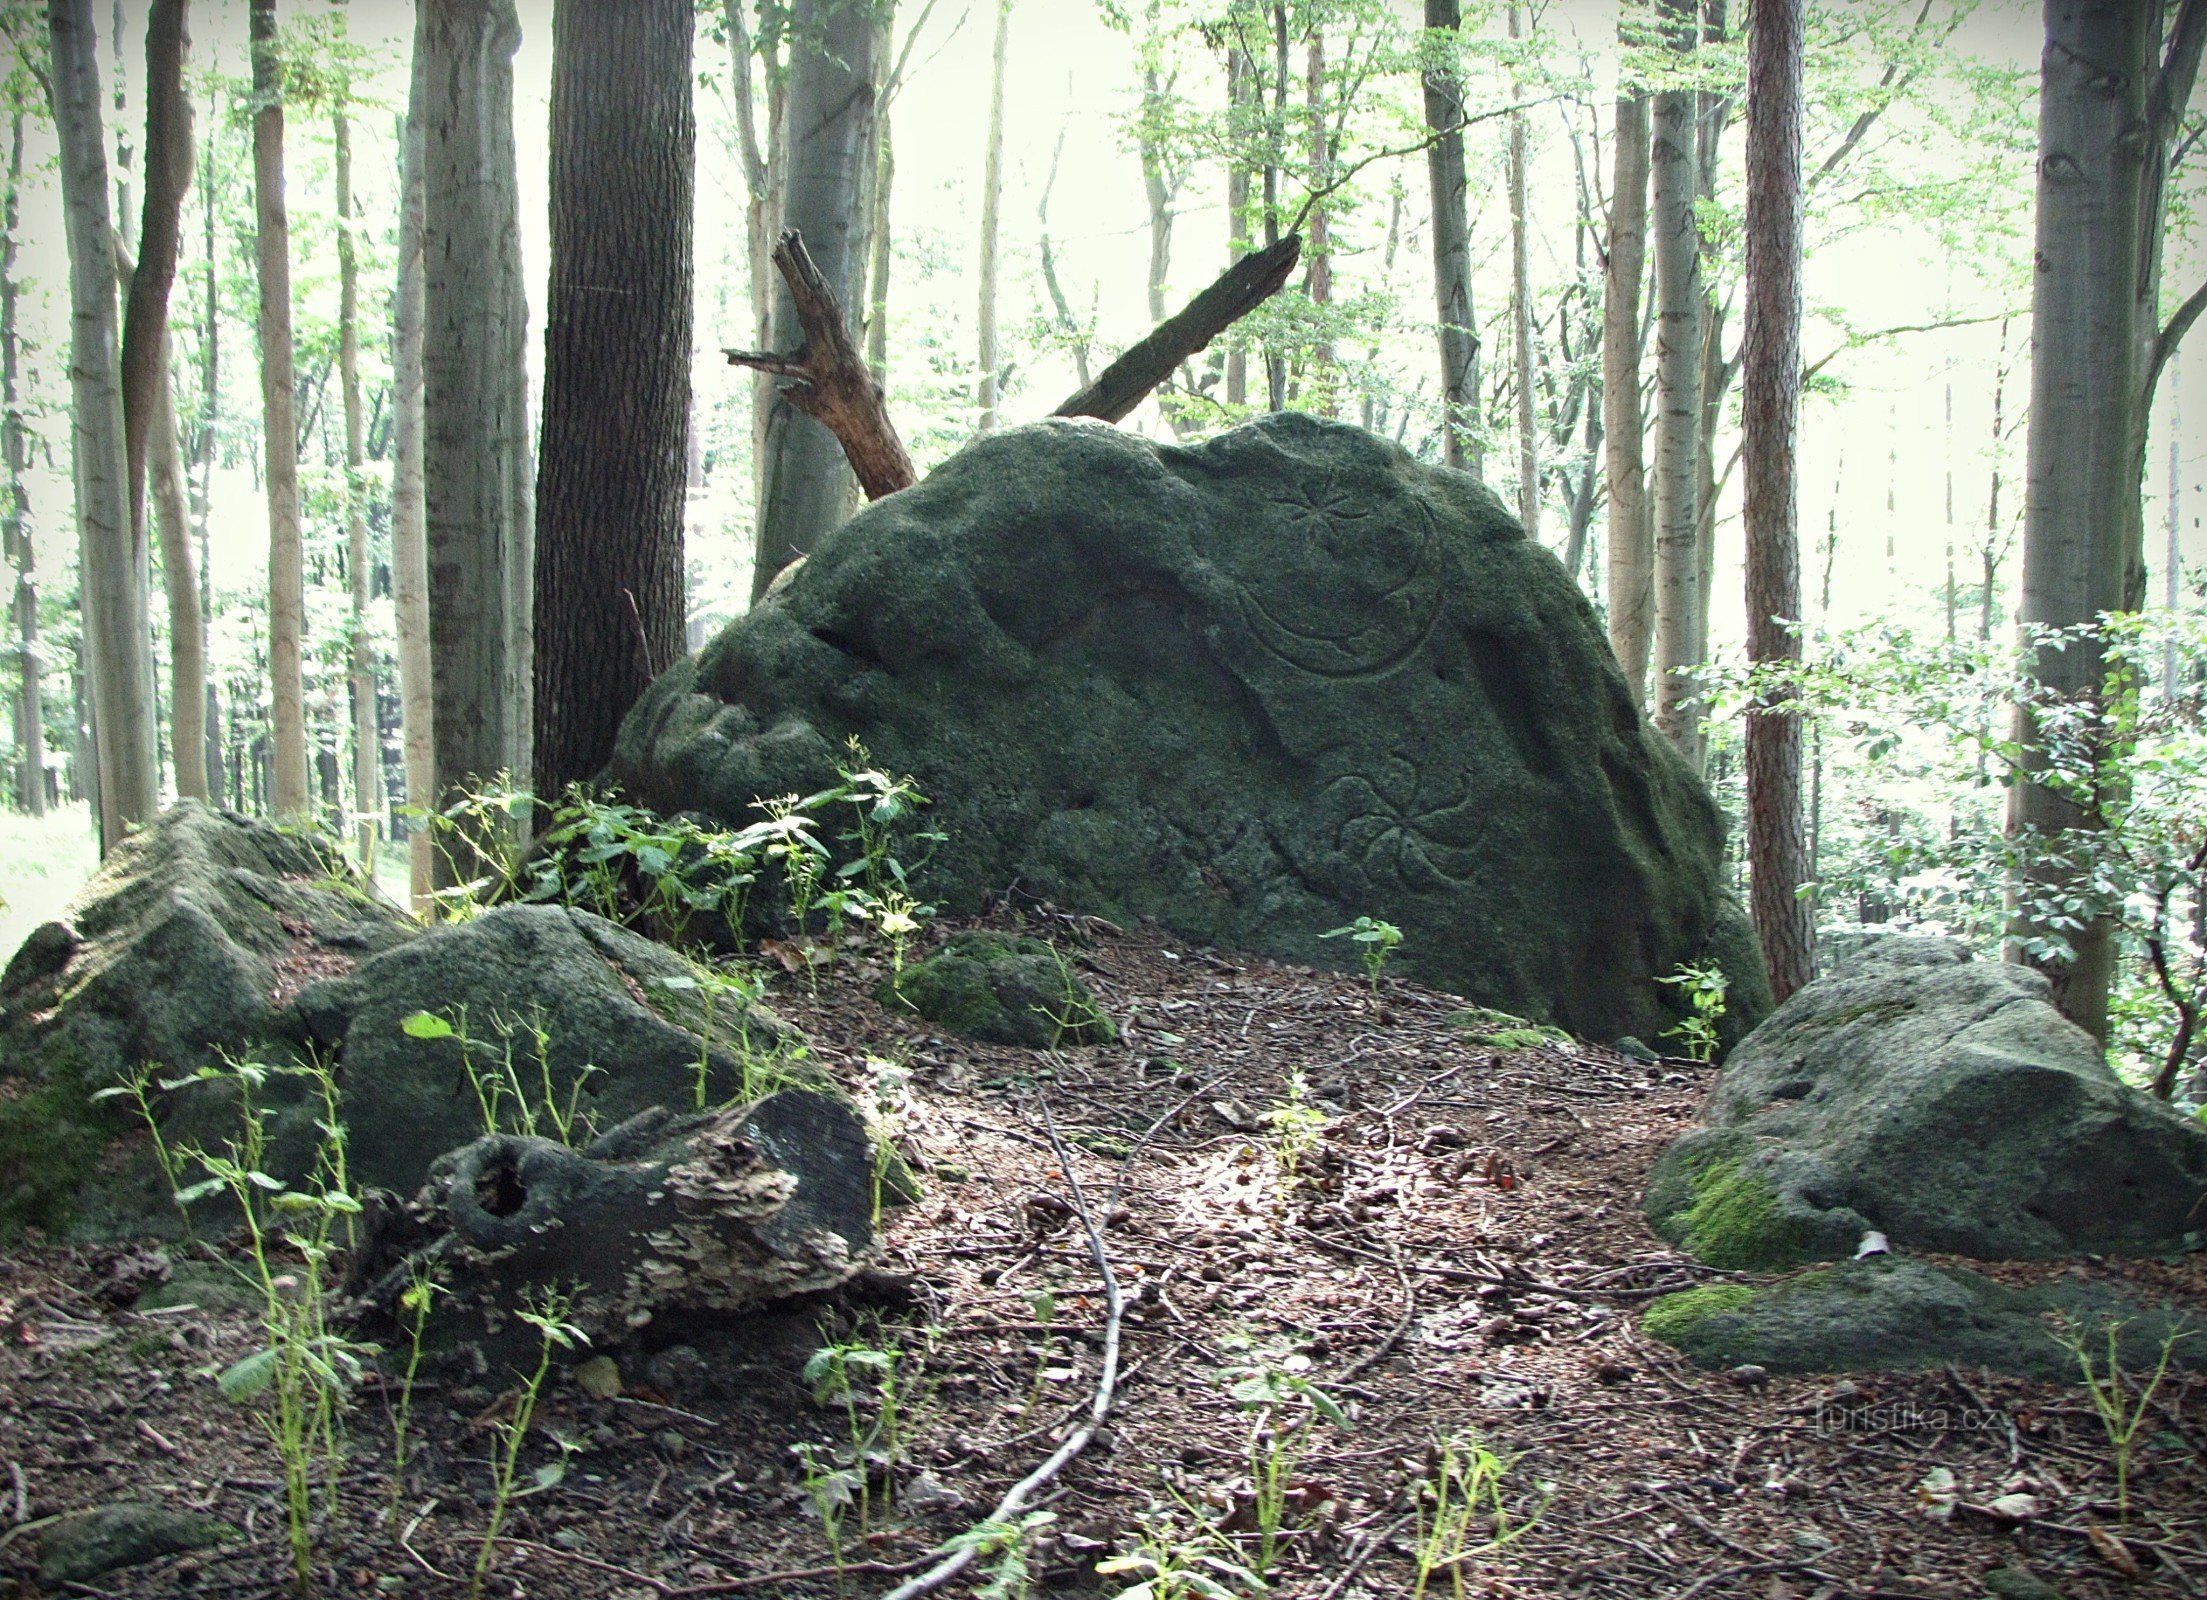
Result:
{"points": [[51, 1139], [1737, 1220], [1007, 990], [1499, 1030], [1669, 1318]]}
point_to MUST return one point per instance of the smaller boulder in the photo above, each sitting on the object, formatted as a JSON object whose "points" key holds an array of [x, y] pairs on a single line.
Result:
{"points": [[1001, 989], [1941, 1101], [1892, 1313], [91, 1544]]}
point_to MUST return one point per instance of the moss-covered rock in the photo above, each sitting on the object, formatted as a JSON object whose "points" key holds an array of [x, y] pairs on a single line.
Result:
{"points": [[89, 1544], [1003, 989], [1941, 1101], [1891, 1313], [183, 948], [1251, 689]]}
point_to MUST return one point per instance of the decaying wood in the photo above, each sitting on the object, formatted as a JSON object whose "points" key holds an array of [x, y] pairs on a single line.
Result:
{"points": [[829, 379], [1244, 286]]}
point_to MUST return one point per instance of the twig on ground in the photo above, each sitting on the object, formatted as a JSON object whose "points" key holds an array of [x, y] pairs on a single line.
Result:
{"points": [[1017, 1498]]}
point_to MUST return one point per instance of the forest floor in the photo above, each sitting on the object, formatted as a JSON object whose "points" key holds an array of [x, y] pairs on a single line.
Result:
{"points": [[1459, 1254]]}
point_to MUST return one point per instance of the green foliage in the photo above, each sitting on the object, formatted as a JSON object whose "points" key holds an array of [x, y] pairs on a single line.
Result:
{"points": [[305, 1375], [1376, 941], [546, 1312], [1285, 1405], [1172, 1565], [415, 1302], [1001, 1550], [2122, 1404], [1460, 1510], [1702, 987], [1296, 1126], [515, 1088], [876, 1384]]}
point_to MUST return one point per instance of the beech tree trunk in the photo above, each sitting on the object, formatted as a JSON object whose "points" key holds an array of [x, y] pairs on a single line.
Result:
{"points": [[805, 487], [1241, 101], [1631, 534], [180, 578], [160, 232], [765, 175], [2111, 103], [1459, 334], [1777, 849], [475, 415], [1323, 377], [1521, 316], [15, 532], [113, 565], [610, 596], [409, 532], [289, 795], [1677, 247], [367, 732], [204, 445], [992, 208]]}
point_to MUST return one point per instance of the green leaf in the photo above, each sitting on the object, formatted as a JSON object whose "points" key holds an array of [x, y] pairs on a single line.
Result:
{"points": [[243, 1380], [425, 1025]]}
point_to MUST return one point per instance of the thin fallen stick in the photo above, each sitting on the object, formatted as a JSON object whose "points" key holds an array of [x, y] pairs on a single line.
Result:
{"points": [[879, 1569], [1017, 1497]]}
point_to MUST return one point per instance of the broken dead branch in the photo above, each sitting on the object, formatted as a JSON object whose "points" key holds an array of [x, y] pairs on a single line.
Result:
{"points": [[829, 380], [1244, 286]]}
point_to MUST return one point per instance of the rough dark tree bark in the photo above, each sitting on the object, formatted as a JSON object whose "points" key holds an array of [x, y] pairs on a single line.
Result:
{"points": [[611, 478], [1777, 849], [1459, 334]]}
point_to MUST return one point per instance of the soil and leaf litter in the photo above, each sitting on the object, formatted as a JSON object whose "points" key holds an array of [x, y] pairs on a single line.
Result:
{"points": [[1380, 1284]]}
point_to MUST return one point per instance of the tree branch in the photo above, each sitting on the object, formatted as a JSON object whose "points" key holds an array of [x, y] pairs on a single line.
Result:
{"points": [[1244, 286], [2172, 85], [2164, 346], [829, 379]]}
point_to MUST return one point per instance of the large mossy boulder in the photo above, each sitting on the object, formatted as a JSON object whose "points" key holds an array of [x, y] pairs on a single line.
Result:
{"points": [[1941, 1101], [1889, 1313], [553, 1014], [187, 945], [1001, 989], [1251, 689]]}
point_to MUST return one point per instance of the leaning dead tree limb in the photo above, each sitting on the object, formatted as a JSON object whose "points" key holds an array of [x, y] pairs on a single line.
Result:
{"points": [[1244, 286], [829, 380]]}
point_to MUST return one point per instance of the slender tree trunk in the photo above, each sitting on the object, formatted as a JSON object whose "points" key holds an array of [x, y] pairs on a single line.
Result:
{"points": [[877, 312], [113, 564], [168, 175], [187, 635], [1241, 100], [1275, 363], [1521, 315], [409, 532], [2109, 113], [1444, 164], [805, 484], [1318, 230], [609, 583], [367, 734], [2172, 565], [1677, 249], [992, 210], [1631, 534], [290, 794], [475, 416], [765, 179], [16, 547], [206, 445], [1770, 416]]}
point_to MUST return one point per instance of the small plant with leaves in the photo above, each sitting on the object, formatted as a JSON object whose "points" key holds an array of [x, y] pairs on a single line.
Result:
{"points": [[139, 1091], [1168, 1564], [831, 1489], [1043, 1305], [889, 1110], [1296, 1126], [547, 1312], [1460, 1510], [414, 1304], [874, 1384], [1285, 1405], [2122, 1404], [483, 837], [305, 1375], [516, 1088], [1375, 941], [1003, 1551], [1702, 987], [714, 985]]}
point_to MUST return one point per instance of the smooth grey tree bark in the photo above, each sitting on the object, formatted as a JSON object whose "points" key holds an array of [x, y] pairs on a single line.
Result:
{"points": [[409, 530], [16, 547], [2113, 89], [360, 661], [992, 211], [1631, 534], [1521, 312], [478, 491], [1676, 244], [114, 569], [805, 487]]}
